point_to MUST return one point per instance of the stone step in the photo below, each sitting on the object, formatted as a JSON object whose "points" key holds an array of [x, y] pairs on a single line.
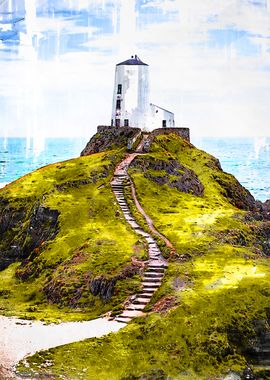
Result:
{"points": [[118, 187], [123, 320], [152, 280], [145, 295], [131, 314], [159, 264], [157, 270], [141, 300], [153, 274], [150, 241], [149, 291], [127, 215], [140, 232], [151, 285], [134, 306], [134, 224]]}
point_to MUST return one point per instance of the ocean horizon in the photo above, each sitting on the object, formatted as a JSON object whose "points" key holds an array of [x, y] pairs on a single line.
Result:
{"points": [[248, 159]]}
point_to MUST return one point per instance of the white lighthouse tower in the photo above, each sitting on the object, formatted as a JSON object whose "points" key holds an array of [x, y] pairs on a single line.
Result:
{"points": [[130, 106]]}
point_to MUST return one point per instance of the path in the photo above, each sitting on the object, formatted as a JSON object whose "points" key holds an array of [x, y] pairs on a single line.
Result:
{"points": [[156, 264], [20, 338]]}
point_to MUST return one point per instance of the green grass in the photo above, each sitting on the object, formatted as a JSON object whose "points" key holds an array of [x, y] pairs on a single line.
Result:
{"points": [[93, 242], [219, 278]]}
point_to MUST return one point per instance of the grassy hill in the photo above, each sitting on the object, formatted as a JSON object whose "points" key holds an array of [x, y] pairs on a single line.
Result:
{"points": [[211, 313], [66, 247]]}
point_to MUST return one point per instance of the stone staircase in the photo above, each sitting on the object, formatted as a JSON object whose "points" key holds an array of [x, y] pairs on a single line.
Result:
{"points": [[156, 264]]}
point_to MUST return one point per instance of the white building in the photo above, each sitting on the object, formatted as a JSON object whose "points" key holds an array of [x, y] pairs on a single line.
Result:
{"points": [[131, 106]]}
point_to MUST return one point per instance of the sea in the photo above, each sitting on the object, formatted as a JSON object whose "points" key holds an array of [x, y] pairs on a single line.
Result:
{"points": [[248, 159]]}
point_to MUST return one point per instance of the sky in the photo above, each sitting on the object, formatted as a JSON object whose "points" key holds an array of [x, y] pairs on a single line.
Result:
{"points": [[209, 63]]}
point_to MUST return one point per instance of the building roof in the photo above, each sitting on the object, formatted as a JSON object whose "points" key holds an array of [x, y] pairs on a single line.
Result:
{"points": [[163, 109], [134, 60]]}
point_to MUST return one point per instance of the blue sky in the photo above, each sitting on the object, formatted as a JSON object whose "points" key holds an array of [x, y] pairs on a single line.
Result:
{"points": [[209, 63]]}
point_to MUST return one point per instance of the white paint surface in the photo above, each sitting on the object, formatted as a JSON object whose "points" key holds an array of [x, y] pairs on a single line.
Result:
{"points": [[135, 95]]}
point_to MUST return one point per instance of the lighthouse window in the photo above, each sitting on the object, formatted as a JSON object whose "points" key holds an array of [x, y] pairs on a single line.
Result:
{"points": [[164, 123], [117, 122], [126, 122], [118, 104], [119, 89]]}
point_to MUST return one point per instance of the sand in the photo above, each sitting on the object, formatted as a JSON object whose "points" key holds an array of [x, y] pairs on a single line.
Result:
{"points": [[20, 338]]}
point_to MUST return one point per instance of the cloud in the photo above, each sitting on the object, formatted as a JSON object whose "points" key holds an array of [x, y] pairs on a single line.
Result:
{"points": [[209, 63]]}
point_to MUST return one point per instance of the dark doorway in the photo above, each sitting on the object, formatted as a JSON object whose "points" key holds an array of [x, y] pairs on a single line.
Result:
{"points": [[164, 123], [126, 122], [119, 89], [118, 104], [117, 122]]}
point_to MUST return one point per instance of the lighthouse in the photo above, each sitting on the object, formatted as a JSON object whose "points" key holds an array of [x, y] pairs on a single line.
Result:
{"points": [[130, 106]]}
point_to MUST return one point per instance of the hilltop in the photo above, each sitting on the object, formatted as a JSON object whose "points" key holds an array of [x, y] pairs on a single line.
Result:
{"points": [[76, 257]]}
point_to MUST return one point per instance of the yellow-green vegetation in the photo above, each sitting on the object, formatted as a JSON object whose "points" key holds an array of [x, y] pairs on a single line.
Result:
{"points": [[85, 270], [219, 280]]}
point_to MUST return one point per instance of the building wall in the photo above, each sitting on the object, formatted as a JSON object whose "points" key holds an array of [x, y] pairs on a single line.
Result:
{"points": [[134, 97], [160, 118]]}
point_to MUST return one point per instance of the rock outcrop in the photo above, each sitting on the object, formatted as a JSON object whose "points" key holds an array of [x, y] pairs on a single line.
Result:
{"points": [[170, 173], [21, 232], [235, 192], [108, 138]]}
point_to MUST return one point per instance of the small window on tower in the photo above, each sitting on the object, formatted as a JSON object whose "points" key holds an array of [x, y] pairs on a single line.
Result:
{"points": [[126, 122], [118, 104], [119, 89], [117, 122]]}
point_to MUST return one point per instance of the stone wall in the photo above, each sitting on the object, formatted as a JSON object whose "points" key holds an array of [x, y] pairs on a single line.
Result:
{"points": [[182, 132]]}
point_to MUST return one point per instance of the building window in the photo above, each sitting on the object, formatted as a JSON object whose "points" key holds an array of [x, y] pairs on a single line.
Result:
{"points": [[119, 89], [126, 122], [117, 122], [118, 104], [112, 123], [164, 124]]}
